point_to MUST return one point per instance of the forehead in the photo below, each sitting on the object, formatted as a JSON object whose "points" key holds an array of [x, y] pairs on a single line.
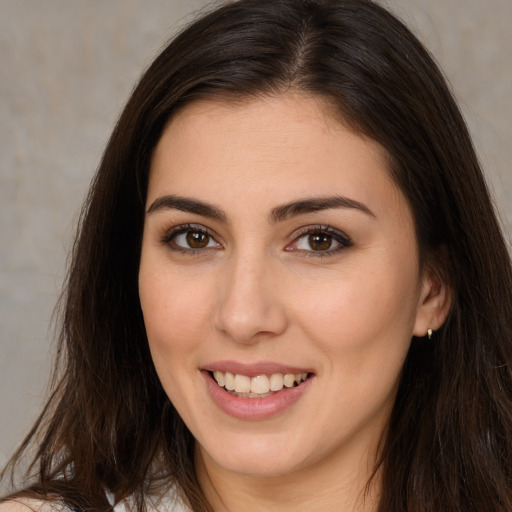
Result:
{"points": [[246, 151]]}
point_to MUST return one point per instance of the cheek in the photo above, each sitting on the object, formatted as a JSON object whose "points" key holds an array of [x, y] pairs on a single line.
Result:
{"points": [[174, 321], [359, 309], [174, 314]]}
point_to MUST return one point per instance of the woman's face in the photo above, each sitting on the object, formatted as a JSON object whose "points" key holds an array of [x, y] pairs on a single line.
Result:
{"points": [[277, 249]]}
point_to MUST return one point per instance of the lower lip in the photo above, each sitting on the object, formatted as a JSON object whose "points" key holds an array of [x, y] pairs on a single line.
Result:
{"points": [[254, 408]]}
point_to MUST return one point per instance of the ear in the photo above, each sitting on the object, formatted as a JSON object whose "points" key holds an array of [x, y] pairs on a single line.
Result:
{"points": [[434, 302]]}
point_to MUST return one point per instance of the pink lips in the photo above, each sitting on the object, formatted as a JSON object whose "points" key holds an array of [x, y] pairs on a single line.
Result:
{"points": [[253, 408]]}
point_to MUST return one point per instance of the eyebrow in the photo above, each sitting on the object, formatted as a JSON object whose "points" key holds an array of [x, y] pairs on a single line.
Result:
{"points": [[186, 204], [278, 214], [310, 205]]}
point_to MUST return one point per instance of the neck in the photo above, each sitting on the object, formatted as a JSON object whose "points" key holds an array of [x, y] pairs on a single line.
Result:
{"points": [[319, 487]]}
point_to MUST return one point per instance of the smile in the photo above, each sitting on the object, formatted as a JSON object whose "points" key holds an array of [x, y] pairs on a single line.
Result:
{"points": [[259, 391], [260, 386]]}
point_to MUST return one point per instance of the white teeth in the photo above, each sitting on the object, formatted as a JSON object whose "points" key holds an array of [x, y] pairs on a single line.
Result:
{"points": [[229, 381], [276, 382], [259, 386], [219, 377], [242, 384], [289, 380]]}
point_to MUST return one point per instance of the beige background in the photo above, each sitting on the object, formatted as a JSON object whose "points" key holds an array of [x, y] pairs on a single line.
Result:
{"points": [[67, 68]]}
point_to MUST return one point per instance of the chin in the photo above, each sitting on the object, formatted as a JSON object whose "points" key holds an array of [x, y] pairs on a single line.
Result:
{"points": [[255, 457]]}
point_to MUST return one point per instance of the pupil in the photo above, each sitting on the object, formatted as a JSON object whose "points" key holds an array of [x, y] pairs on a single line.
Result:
{"points": [[320, 242], [197, 240]]}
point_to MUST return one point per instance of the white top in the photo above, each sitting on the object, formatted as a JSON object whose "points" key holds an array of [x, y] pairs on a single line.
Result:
{"points": [[169, 502]]}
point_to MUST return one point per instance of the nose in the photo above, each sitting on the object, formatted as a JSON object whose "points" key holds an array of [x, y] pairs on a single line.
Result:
{"points": [[250, 306]]}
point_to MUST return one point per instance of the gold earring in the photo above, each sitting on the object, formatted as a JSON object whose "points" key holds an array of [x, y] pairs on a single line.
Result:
{"points": [[429, 333]]}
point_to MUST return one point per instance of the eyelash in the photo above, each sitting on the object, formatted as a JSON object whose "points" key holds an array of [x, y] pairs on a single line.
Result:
{"points": [[170, 235], [336, 235]]}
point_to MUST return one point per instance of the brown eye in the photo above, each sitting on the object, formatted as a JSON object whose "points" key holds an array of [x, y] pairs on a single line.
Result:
{"points": [[320, 241], [197, 239], [191, 238]]}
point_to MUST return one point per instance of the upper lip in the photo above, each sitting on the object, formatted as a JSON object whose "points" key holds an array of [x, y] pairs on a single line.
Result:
{"points": [[254, 369]]}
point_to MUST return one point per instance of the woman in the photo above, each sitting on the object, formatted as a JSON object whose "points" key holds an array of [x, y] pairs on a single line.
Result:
{"points": [[289, 288]]}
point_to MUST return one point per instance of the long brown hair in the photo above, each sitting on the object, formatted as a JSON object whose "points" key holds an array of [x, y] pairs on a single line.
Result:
{"points": [[109, 424]]}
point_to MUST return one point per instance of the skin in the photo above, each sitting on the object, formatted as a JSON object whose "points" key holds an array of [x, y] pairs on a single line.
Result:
{"points": [[258, 292]]}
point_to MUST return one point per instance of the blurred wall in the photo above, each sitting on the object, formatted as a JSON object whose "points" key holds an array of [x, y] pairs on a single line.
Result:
{"points": [[67, 68]]}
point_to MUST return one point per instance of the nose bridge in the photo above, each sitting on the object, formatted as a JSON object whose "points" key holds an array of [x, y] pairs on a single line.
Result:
{"points": [[249, 304]]}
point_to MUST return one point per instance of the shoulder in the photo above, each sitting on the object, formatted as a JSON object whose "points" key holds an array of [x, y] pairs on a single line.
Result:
{"points": [[169, 501], [30, 505]]}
